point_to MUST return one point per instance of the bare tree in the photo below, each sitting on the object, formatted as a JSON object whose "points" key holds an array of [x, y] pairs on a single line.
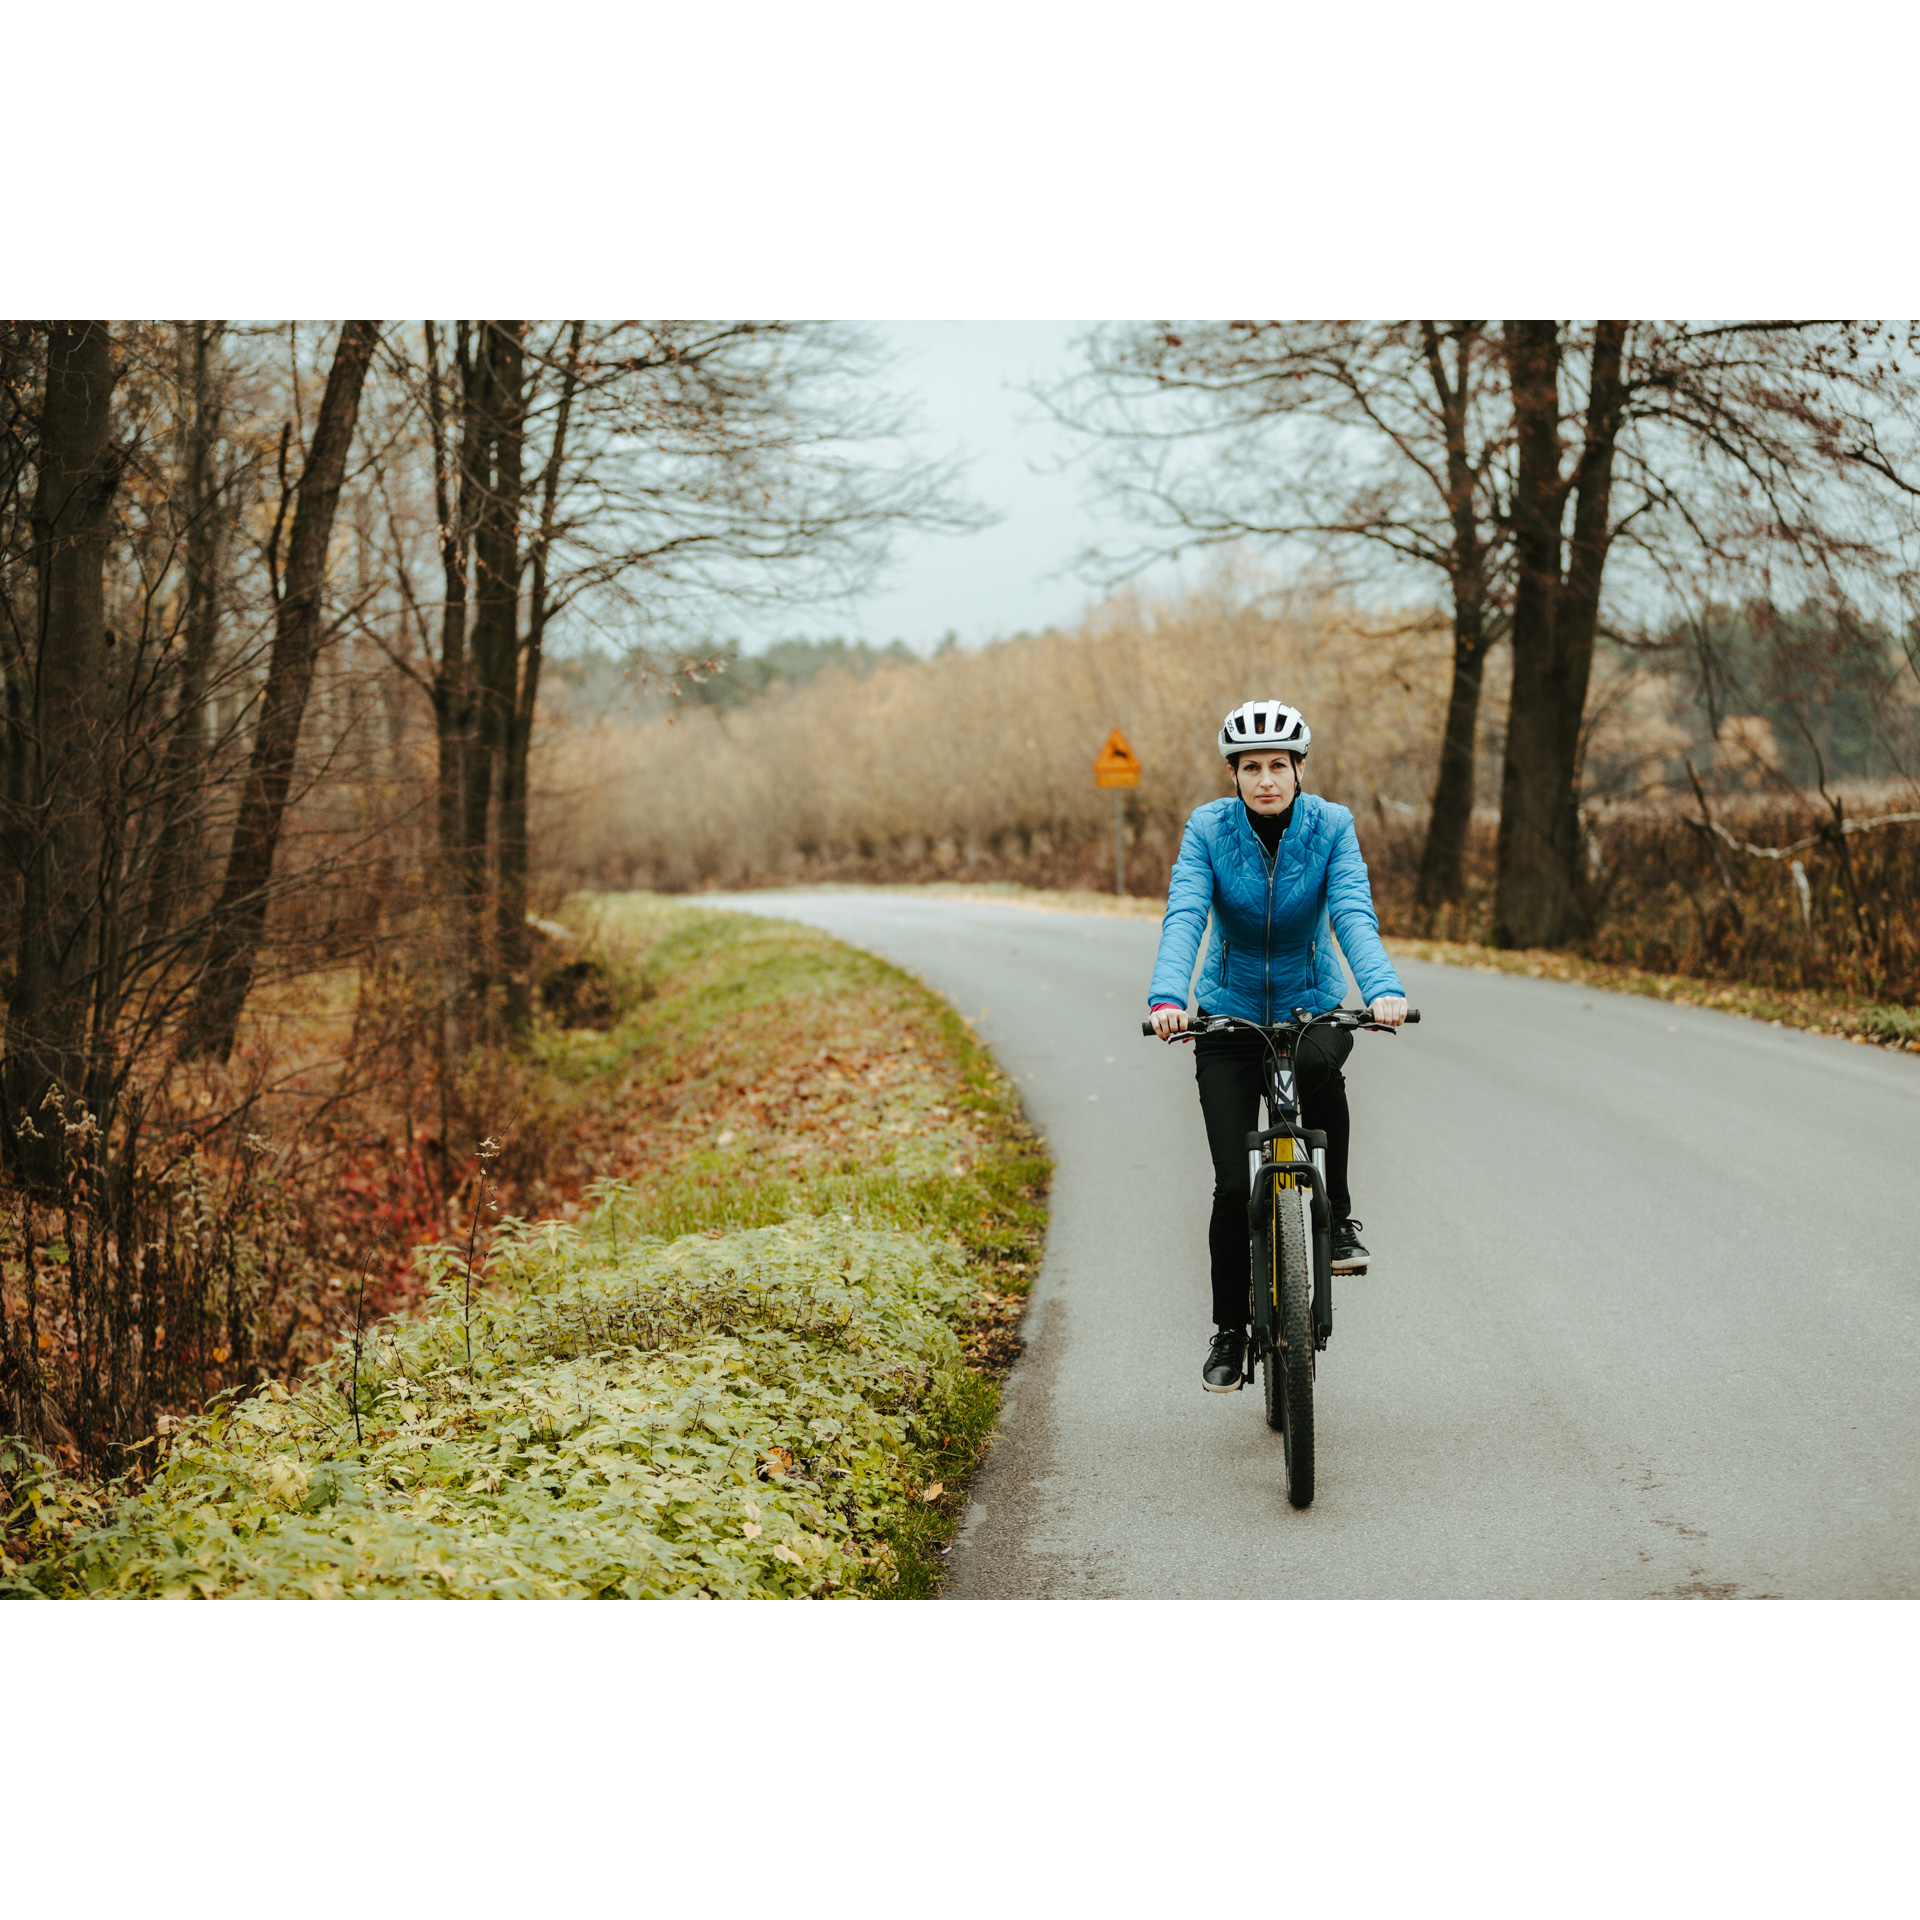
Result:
{"points": [[1389, 438], [1556, 609], [299, 626], [206, 508], [1773, 452], [675, 464], [1520, 462], [58, 747], [496, 618], [515, 957], [456, 450]]}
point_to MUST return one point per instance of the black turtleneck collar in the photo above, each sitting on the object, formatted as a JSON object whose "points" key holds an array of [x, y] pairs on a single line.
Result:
{"points": [[1269, 826]]}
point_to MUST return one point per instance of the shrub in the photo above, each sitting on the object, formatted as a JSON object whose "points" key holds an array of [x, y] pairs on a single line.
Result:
{"points": [[749, 1414]]}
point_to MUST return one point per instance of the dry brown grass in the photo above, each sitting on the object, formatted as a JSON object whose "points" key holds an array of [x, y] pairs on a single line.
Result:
{"points": [[979, 765]]}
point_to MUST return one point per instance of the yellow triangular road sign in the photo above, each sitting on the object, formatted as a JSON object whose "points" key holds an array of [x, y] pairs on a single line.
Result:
{"points": [[1116, 764]]}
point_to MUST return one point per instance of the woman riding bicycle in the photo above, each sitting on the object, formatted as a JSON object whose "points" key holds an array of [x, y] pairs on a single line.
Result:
{"points": [[1276, 867]]}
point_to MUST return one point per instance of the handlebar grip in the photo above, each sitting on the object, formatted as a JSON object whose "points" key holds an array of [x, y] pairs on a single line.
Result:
{"points": [[1413, 1016], [1146, 1027]]}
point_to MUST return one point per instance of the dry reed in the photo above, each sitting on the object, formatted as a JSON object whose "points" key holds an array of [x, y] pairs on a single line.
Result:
{"points": [[979, 765]]}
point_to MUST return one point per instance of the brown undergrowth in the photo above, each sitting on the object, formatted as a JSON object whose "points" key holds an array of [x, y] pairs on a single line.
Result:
{"points": [[233, 1216], [1811, 901]]}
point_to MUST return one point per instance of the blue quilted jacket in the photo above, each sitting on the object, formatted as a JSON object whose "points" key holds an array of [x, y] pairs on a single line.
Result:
{"points": [[1273, 922]]}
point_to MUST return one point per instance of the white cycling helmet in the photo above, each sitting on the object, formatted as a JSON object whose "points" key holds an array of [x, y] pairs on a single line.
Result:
{"points": [[1259, 724]]}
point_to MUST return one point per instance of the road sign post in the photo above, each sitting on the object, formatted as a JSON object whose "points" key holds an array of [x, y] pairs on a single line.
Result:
{"points": [[1116, 765]]}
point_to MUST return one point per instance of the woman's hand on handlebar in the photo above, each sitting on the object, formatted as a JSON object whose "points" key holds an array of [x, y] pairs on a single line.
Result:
{"points": [[1169, 1020], [1389, 1012]]}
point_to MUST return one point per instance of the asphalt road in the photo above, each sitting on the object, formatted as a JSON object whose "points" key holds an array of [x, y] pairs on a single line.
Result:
{"points": [[1643, 1317]]}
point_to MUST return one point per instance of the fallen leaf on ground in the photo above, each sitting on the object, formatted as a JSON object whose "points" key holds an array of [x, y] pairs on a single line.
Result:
{"points": [[935, 1491]]}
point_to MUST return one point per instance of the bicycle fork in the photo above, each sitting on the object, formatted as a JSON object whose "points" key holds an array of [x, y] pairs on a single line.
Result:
{"points": [[1275, 1159]]}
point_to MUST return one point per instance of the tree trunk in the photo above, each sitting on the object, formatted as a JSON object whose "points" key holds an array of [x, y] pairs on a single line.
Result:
{"points": [[516, 955], [457, 484], [1539, 896], [496, 627], [64, 724], [175, 869], [1443, 858], [1532, 904], [241, 915], [1578, 620], [17, 597]]}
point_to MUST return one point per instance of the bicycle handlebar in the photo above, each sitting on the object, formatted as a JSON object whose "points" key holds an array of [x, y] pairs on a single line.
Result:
{"points": [[1340, 1017]]}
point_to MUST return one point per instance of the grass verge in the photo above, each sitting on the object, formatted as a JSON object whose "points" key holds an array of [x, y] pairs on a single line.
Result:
{"points": [[1005, 893], [762, 1359]]}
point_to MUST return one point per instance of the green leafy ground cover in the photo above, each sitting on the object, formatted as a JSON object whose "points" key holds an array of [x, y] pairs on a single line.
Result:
{"points": [[765, 1363]]}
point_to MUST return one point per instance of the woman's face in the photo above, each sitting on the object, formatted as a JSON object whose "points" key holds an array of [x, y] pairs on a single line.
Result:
{"points": [[1267, 781]]}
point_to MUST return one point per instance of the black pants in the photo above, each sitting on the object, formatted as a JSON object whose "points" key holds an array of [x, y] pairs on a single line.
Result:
{"points": [[1231, 1071]]}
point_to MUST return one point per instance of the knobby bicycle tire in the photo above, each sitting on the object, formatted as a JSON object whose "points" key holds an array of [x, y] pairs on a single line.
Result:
{"points": [[1290, 1371], [1266, 1278]]}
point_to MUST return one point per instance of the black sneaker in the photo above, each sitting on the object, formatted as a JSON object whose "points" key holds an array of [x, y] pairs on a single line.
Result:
{"points": [[1349, 1256], [1225, 1358]]}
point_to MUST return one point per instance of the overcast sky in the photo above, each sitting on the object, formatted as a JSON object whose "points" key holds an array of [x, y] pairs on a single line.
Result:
{"points": [[967, 376]]}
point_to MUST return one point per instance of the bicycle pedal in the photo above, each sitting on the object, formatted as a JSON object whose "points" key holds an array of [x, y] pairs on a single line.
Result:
{"points": [[1358, 1266]]}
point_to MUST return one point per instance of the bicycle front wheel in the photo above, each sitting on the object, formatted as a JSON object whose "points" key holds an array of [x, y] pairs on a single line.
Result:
{"points": [[1289, 1365]]}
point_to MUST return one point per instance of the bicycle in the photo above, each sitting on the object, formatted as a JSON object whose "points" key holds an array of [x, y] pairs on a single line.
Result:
{"points": [[1290, 1285]]}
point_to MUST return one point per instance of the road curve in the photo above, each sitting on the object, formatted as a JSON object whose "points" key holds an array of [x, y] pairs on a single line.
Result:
{"points": [[1643, 1319]]}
